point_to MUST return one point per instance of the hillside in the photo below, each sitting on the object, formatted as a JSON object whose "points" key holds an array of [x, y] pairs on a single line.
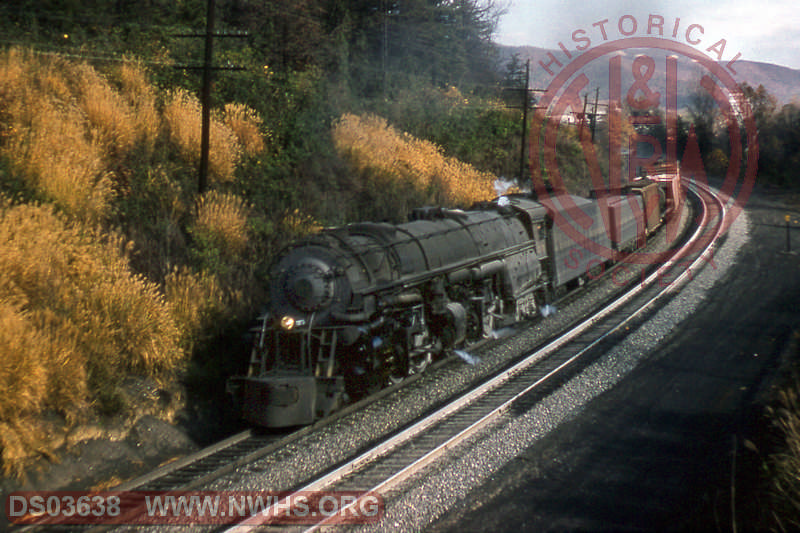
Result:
{"points": [[117, 276], [781, 82], [124, 292]]}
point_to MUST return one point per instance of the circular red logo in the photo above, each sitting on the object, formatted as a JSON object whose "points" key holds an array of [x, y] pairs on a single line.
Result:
{"points": [[636, 86]]}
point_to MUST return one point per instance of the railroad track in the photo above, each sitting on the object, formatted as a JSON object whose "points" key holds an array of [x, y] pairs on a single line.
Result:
{"points": [[410, 450], [198, 469]]}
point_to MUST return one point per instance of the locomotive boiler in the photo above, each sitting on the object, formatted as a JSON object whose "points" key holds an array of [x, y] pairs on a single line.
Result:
{"points": [[356, 308]]}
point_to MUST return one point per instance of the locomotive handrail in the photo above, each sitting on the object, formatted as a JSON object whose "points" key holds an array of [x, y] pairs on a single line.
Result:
{"points": [[380, 236], [354, 251], [416, 278], [410, 237]]}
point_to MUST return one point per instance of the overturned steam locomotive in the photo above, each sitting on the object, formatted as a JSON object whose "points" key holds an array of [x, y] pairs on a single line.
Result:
{"points": [[356, 308]]}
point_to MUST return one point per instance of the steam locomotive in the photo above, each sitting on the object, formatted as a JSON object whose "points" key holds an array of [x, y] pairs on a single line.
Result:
{"points": [[356, 308]]}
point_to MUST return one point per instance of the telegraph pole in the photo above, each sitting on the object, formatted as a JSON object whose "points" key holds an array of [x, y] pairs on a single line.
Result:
{"points": [[788, 235], [526, 92], [525, 97], [594, 112], [205, 91]]}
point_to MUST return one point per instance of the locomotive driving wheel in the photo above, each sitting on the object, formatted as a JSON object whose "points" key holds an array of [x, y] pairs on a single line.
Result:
{"points": [[396, 365], [374, 369]]}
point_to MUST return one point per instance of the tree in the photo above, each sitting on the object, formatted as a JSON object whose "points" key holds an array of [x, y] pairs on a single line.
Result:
{"points": [[514, 72], [704, 113], [287, 34], [393, 42], [779, 145], [762, 104]]}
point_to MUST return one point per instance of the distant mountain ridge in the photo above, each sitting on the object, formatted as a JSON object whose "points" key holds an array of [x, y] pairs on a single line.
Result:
{"points": [[781, 82]]}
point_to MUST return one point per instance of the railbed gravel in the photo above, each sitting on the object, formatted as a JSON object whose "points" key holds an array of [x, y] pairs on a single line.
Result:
{"points": [[333, 444], [418, 504], [424, 498]]}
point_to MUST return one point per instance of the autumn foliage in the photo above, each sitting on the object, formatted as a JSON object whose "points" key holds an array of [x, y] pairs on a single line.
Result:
{"points": [[387, 158], [111, 264], [75, 315]]}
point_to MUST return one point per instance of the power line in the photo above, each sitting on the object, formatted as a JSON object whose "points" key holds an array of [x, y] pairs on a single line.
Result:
{"points": [[36, 49]]}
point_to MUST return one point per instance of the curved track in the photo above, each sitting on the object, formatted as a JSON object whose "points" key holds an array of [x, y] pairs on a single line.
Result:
{"points": [[410, 450]]}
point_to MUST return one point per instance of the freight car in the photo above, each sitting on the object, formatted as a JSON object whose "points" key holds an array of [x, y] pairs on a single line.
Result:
{"points": [[359, 307]]}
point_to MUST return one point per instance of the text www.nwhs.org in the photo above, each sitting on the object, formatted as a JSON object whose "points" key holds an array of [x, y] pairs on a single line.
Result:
{"points": [[193, 507]]}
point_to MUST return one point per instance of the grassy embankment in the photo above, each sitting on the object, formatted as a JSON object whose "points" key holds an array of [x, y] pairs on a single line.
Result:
{"points": [[77, 317], [111, 266]]}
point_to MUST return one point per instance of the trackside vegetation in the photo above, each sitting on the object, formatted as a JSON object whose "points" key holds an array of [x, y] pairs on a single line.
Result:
{"points": [[111, 265], [78, 316], [414, 170]]}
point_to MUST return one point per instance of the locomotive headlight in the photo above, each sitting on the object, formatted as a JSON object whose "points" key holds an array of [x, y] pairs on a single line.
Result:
{"points": [[287, 323]]}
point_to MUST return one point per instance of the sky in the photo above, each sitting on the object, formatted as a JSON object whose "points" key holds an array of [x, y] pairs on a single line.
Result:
{"points": [[761, 30]]}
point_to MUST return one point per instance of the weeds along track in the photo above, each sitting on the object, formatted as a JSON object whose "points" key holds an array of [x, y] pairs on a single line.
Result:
{"points": [[410, 450]]}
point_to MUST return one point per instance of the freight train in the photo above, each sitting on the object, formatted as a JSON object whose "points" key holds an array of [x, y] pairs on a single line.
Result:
{"points": [[357, 308]]}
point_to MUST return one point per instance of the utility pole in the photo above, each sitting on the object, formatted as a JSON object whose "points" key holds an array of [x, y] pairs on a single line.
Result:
{"points": [[385, 44], [526, 92], [594, 112], [205, 91], [583, 117], [788, 236], [525, 97]]}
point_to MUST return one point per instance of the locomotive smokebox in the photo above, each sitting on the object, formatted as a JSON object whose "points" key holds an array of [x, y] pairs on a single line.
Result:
{"points": [[309, 285], [308, 282]]}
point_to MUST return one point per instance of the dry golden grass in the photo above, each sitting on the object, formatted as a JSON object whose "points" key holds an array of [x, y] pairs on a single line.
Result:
{"points": [[111, 120], [67, 128], [245, 123], [374, 147], [222, 222], [55, 158], [20, 441], [74, 320], [141, 97], [22, 380], [785, 465], [182, 114], [195, 300]]}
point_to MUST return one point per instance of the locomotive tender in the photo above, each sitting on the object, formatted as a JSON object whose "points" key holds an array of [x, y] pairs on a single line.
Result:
{"points": [[359, 307]]}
